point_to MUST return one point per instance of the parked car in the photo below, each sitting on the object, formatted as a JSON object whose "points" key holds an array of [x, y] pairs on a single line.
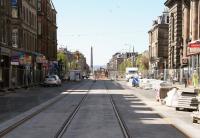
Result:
{"points": [[52, 80]]}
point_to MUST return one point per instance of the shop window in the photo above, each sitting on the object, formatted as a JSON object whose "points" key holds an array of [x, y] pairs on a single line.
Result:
{"points": [[1, 78]]}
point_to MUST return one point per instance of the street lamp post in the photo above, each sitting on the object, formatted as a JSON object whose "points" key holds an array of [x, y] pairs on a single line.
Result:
{"points": [[165, 64]]}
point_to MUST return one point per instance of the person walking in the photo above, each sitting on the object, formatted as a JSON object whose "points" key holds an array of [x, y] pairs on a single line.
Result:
{"points": [[195, 79], [185, 80]]}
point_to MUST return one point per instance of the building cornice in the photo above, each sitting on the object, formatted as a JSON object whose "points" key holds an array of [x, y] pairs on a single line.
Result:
{"points": [[170, 3]]}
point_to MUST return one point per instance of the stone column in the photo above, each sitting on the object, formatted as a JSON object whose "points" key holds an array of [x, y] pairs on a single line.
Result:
{"points": [[186, 29], [194, 20]]}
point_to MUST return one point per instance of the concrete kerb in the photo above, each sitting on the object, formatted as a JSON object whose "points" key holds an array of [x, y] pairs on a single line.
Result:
{"points": [[20, 117], [184, 128], [13, 90]]}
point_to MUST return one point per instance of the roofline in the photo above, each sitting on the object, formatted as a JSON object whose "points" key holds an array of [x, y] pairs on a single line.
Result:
{"points": [[53, 7], [167, 3]]}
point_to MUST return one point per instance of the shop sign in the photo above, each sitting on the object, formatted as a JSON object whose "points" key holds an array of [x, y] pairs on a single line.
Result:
{"points": [[28, 59], [194, 44], [15, 58], [25, 59], [193, 47], [14, 63]]}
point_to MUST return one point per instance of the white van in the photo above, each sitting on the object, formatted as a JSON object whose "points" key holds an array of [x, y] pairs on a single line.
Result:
{"points": [[130, 72]]}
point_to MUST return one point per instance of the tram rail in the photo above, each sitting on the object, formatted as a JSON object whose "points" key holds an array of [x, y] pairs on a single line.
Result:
{"points": [[18, 123], [68, 121], [120, 120]]}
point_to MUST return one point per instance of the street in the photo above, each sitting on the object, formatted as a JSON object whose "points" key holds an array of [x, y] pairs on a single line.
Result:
{"points": [[93, 110], [99, 69]]}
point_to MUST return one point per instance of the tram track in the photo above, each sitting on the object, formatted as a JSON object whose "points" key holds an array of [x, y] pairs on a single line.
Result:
{"points": [[23, 120], [120, 120], [68, 120]]}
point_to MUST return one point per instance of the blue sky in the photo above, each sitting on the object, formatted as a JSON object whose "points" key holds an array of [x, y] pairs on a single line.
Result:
{"points": [[109, 26]]}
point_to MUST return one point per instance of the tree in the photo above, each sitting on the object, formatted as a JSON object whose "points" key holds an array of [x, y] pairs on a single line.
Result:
{"points": [[142, 63], [63, 60], [126, 63]]}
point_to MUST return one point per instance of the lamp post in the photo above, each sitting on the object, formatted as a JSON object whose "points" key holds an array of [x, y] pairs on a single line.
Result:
{"points": [[165, 64]]}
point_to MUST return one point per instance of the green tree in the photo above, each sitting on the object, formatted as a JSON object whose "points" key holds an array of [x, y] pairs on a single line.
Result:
{"points": [[124, 65], [62, 57], [142, 63]]}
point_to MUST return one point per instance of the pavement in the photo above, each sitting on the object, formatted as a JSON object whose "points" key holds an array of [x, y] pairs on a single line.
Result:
{"points": [[179, 119]]}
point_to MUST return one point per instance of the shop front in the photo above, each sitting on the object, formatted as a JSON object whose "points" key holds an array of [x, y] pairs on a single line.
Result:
{"points": [[193, 53], [4, 67], [22, 69], [53, 67], [41, 68]]}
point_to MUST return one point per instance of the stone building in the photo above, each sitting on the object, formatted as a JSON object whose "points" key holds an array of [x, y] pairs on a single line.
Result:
{"points": [[175, 33], [47, 36], [47, 29], [185, 23], [115, 61], [5, 42], [28, 37], [127, 58], [158, 43], [24, 41], [191, 39]]}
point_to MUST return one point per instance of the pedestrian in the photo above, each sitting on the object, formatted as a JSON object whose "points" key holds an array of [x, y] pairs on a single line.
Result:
{"points": [[185, 80], [174, 79], [195, 79]]}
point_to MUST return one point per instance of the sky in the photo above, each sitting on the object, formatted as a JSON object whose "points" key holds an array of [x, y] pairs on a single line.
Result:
{"points": [[109, 26]]}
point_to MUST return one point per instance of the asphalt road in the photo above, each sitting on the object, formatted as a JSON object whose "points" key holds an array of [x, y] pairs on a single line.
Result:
{"points": [[96, 118], [22, 100]]}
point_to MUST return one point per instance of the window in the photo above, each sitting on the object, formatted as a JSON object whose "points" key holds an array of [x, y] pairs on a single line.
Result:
{"points": [[14, 3], [172, 27], [3, 31], [26, 15], [39, 28], [15, 38], [29, 19], [167, 19], [14, 12], [39, 5], [1, 2]]}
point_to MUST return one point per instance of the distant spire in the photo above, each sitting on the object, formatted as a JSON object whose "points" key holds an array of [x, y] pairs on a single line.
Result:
{"points": [[91, 64]]}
